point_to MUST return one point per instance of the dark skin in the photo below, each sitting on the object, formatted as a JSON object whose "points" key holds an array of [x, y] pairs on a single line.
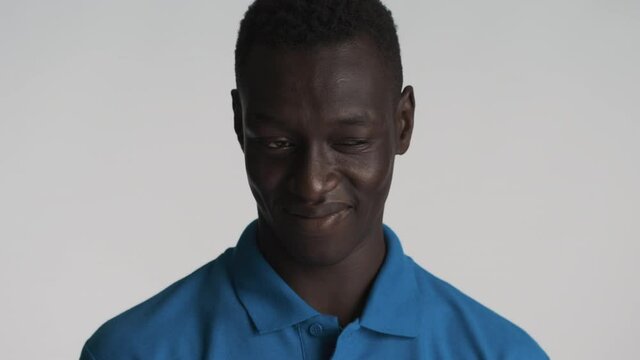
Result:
{"points": [[320, 129]]}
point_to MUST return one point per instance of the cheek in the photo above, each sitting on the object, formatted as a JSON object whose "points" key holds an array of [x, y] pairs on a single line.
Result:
{"points": [[371, 175], [265, 175]]}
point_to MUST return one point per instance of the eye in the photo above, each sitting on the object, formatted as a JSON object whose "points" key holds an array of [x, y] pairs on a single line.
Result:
{"points": [[352, 144], [278, 144]]}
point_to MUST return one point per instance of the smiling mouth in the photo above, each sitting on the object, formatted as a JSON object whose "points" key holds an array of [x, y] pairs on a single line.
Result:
{"points": [[317, 212]]}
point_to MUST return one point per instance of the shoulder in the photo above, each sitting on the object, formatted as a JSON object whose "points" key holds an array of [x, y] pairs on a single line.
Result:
{"points": [[156, 322], [473, 326]]}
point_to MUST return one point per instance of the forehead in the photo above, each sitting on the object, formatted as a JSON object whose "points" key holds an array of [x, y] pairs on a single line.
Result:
{"points": [[325, 78]]}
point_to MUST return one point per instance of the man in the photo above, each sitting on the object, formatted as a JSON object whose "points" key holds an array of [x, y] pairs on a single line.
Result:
{"points": [[320, 114]]}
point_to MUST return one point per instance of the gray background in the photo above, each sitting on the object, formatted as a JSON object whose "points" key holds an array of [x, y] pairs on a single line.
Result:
{"points": [[521, 186]]}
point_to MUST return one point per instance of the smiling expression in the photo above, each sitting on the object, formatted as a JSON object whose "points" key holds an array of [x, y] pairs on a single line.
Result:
{"points": [[320, 129]]}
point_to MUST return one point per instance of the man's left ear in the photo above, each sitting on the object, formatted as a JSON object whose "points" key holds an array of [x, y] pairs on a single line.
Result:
{"points": [[404, 119]]}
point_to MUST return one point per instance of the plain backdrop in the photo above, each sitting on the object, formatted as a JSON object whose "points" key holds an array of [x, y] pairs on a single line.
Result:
{"points": [[120, 172]]}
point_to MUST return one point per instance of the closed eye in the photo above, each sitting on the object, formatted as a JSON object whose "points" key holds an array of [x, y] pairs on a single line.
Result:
{"points": [[352, 142], [352, 145]]}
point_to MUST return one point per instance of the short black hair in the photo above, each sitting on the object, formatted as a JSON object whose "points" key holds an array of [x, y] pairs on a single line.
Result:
{"points": [[303, 24]]}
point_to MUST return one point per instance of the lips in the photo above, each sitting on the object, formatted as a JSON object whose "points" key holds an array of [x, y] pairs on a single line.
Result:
{"points": [[316, 211]]}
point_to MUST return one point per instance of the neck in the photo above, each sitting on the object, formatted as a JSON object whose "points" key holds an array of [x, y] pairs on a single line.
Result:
{"points": [[338, 289]]}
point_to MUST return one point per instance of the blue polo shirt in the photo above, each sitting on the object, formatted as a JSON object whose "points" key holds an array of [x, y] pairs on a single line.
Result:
{"points": [[238, 307]]}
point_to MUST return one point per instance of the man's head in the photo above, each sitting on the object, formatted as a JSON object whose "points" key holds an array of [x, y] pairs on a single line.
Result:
{"points": [[320, 116]]}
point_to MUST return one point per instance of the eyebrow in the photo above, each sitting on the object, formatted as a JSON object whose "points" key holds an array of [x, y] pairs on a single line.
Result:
{"points": [[348, 120], [358, 120], [261, 119]]}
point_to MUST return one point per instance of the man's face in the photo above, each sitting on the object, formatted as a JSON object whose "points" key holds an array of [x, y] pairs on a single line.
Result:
{"points": [[320, 129]]}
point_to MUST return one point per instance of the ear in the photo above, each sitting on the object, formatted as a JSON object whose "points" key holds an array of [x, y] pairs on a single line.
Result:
{"points": [[404, 119], [237, 117]]}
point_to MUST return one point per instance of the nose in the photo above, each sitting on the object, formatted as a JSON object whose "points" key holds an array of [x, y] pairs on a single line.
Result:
{"points": [[314, 174]]}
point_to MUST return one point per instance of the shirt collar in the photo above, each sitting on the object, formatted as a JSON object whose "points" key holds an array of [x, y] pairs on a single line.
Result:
{"points": [[391, 307], [270, 302]]}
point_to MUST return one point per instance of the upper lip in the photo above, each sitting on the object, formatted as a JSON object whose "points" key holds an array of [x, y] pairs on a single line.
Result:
{"points": [[315, 211]]}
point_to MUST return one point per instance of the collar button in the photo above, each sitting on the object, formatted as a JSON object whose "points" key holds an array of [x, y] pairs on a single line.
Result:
{"points": [[316, 329]]}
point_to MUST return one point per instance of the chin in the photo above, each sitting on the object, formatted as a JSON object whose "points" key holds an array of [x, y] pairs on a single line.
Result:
{"points": [[319, 251], [316, 243]]}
